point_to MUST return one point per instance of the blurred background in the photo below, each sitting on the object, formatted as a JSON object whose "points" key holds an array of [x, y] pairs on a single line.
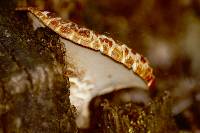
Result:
{"points": [[167, 32]]}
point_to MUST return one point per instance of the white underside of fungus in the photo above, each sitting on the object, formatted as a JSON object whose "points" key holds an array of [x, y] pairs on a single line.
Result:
{"points": [[99, 75], [101, 68]]}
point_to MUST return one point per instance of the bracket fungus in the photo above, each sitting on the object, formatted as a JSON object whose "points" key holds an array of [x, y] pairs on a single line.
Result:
{"points": [[99, 64]]}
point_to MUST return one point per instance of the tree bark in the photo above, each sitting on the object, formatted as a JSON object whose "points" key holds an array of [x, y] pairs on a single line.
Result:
{"points": [[34, 94]]}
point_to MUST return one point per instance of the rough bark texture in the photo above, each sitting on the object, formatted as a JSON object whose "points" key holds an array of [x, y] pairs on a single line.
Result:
{"points": [[34, 95], [109, 117]]}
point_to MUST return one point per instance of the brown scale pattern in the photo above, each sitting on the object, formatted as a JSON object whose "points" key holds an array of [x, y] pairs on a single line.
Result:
{"points": [[95, 41]]}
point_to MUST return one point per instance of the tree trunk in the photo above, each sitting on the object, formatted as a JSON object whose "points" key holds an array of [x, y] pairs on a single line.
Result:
{"points": [[34, 95]]}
